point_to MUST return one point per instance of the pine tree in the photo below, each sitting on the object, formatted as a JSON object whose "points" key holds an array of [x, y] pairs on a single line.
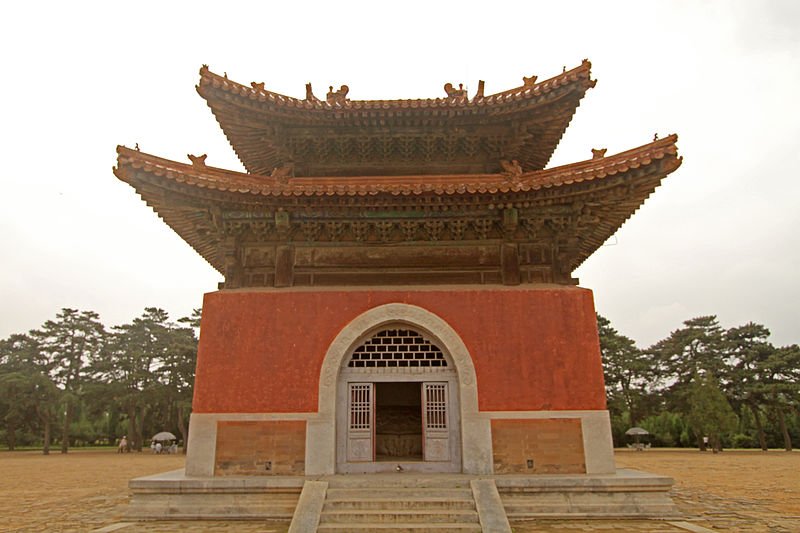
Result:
{"points": [[710, 414]]}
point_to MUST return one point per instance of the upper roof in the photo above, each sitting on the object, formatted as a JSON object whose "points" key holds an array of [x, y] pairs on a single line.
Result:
{"points": [[341, 137]]}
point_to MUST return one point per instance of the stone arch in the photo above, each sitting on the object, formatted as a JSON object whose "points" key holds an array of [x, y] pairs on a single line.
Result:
{"points": [[475, 429]]}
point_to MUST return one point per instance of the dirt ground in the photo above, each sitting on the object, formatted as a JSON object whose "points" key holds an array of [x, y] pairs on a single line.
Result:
{"points": [[747, 491]]}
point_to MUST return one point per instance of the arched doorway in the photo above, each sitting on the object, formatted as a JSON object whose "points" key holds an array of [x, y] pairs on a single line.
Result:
{"points": [[397, 404], [323, 436]]}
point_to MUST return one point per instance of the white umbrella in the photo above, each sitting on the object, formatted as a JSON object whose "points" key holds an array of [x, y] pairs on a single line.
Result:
{"points": [[164, 435], [637, 432]]}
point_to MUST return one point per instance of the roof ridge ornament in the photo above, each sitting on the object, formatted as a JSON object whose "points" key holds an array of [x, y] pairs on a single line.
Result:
{"points": [[512, 170], [597, 153], [257, 86], [283, 173], [452, 92], [310, 94], [337, 97], [479, 94], [197, 160], [529, 81]]}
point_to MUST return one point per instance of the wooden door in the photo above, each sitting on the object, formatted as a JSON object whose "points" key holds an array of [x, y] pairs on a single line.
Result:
{"points": [[360, 422], [435, 424]]}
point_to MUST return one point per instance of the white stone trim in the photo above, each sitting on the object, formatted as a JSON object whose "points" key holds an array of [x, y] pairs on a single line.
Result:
{"points": [[476, 436], [541, 414], [598, 446]]}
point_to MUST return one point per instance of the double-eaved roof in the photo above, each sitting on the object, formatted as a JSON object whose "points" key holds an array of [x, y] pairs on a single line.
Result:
{"points": [[338, 174]]}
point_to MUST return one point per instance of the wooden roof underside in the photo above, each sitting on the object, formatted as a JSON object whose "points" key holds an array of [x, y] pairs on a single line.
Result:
{"points": [[394, 137], [606, 191]]}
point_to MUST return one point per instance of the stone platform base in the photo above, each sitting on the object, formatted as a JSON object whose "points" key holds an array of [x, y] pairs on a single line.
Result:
{"points": [[174, 496], [626, 494]]}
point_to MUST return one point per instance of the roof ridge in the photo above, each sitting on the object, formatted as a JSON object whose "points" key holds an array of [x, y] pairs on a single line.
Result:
{"points": [[234, 181], [258, 89]]}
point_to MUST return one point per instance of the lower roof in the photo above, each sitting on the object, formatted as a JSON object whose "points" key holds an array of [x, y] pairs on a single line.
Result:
{"points": [[192, 198]]}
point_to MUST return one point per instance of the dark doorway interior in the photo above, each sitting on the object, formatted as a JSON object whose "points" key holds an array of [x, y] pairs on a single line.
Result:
{"points": [[398, 421]]}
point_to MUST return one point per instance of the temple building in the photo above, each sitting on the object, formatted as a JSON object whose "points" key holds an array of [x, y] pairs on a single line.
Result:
{"points": [[399, 298]]}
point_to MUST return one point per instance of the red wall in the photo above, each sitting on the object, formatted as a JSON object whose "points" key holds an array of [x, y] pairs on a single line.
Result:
{"points": [[533, 349]]}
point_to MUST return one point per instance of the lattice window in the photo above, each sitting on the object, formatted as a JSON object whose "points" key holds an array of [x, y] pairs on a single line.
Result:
{"points": [[401, 348], [360, 406], [436, 405]]}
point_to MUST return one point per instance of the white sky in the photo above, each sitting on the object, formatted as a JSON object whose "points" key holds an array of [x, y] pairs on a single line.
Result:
{"points": [[720, 236]]}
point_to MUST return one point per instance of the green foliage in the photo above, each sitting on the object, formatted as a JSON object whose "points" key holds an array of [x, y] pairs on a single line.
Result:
{"points": [[97, 385], [687, 375], [710, 413], [666, 428], [626, 370], [741, 440], [696, 349]]}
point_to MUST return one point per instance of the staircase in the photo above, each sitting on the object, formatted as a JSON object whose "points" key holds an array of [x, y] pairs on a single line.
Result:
{"points": [[399, 504]]}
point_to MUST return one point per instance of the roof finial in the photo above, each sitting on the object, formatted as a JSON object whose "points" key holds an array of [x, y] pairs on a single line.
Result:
{"points": [[257, 86], [563, 69], [310, 93], [479, 94], [337, 97], [225, 74], [528, 82], [283, 172], [137, 147], [511, 169], [597, 153], [655, 137], [197, 160], [452, 92]]}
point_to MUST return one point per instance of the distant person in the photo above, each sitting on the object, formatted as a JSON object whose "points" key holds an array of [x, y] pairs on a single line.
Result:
{"points": [[123, 445], [173, 448], [158, 447], [153, 446]]}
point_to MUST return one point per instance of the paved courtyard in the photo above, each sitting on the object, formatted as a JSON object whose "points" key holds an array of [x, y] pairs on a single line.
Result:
{"points": [[746, 491]]}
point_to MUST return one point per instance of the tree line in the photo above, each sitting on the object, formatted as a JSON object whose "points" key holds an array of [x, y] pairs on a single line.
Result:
{"points": [[731, 386], [76, 382]]}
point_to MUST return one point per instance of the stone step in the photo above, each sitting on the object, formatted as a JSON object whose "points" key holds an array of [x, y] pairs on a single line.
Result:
{"points": [[394, 493], [428, 503], [392, 481], [399, 528], [401, 516]]}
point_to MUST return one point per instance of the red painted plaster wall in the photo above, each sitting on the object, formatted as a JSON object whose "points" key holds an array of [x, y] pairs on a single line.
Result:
{"points": [[533, 348]]}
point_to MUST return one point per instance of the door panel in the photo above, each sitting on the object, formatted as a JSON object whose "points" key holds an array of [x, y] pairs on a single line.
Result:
{"points": [[435, 424], [361, 422]]}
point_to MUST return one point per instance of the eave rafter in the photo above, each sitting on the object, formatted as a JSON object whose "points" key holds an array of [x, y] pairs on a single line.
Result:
{"points": [[575, 207]]}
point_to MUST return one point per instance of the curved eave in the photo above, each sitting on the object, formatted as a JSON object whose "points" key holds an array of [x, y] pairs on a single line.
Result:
{"points": [[184, 195], [254, 119], [238, 183], [579, 76]]}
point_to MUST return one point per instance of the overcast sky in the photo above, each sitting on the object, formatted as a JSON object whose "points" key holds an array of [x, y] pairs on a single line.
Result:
{"points": [[720, 236]]}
